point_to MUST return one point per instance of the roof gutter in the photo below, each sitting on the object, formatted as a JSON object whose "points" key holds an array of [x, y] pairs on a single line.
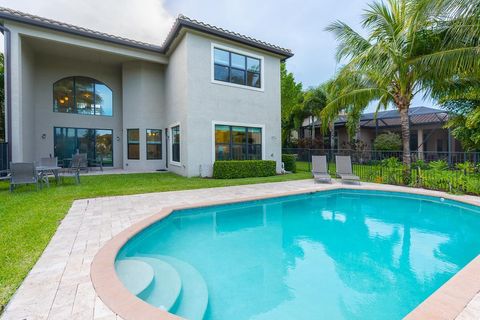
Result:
{"points": [[8, 89]]}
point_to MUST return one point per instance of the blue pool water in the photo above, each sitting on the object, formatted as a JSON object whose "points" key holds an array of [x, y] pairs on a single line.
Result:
{"points": [[340, 254]]}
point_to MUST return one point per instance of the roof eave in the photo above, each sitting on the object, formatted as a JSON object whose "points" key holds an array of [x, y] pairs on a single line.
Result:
{"points": [[180, 24], [5, 16]]}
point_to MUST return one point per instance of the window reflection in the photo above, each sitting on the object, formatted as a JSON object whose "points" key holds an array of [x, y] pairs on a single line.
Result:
{"points": [[238, 143], [236, 68], [82, 95]]}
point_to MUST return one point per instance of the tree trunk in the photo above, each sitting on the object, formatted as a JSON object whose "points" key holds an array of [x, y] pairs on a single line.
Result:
{"points": [[332, 135], [405, 123], [313, 131]]}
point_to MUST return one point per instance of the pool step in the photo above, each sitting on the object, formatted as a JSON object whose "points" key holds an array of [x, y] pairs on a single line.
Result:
{"points": [[135, 275], [166, 286], [193, 301]]}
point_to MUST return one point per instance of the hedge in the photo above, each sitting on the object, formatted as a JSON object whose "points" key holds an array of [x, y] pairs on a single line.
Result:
{"points": [[290, 162], [244, 169]]}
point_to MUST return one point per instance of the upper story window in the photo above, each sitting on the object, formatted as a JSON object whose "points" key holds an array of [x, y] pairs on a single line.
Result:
{"points": [[82, 95], [236, 68]]}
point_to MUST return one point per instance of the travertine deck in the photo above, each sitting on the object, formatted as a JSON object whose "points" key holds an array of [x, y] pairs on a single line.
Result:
{"points": [[59, 285]]}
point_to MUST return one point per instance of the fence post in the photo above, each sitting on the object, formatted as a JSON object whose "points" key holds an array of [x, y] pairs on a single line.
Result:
{"points": [[309, 160]]}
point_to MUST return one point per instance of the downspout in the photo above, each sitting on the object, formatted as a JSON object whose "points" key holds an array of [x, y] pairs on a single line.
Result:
{"points": [[8, 88]]}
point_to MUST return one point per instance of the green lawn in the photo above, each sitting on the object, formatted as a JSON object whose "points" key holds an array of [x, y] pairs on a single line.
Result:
{"points": [[28, 219]]}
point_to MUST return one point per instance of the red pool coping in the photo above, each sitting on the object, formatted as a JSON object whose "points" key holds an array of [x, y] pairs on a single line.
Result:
{"points": [[444, 304]]}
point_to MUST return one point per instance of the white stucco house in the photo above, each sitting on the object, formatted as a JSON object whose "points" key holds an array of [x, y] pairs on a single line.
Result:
{"points": [[205, 94]]}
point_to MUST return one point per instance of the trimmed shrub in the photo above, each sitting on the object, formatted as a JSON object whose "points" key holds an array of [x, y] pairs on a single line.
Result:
{"points": [[244, 169], [290, 162], [388, 142]]}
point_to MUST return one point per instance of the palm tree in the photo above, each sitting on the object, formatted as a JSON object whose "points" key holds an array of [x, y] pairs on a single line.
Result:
{"points": [[313, 103], [408, 50]]}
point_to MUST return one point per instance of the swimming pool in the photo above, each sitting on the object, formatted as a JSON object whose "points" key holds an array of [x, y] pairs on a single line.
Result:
{"points": [[341, 254]]}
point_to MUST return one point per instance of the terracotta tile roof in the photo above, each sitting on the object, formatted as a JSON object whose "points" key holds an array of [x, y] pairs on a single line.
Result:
{"points": [[181, 22]]}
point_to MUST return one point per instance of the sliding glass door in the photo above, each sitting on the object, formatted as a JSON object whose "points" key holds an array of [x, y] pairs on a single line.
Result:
{"points": [[96, 143]]}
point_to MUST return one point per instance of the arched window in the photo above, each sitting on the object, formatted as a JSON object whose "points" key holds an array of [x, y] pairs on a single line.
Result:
{"points": [[82, 95]]}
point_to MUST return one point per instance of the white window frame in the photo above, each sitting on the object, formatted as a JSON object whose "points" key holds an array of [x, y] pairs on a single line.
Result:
{"points": [[237, 124], [245, 53], [170, 145]]}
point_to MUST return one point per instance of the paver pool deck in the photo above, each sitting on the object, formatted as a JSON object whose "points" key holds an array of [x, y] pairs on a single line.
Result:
{"points": [[59, 285]]}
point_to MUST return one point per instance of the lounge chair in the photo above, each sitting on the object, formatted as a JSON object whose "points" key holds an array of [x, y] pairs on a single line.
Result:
{"points": [[320, 169], [344, 169], [23, 173]]}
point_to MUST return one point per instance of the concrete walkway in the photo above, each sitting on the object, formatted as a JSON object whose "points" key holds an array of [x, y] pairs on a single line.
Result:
{"points": [[59, 286]]}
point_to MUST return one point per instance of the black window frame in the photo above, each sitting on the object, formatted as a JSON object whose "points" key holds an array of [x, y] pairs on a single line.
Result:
{"points": [[151, 143], [245, 70], [246, 145], [129, 157], [172, 129], [74, 95], [95, 156]]}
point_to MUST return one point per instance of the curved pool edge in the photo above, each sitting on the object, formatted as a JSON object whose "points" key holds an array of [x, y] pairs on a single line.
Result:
{"points": [[447, 302]]}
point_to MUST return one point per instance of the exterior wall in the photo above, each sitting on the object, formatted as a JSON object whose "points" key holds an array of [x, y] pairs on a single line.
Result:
{"points": [[143, 108], [28, 102], [49, 69], [176, 90], [210, 102]]}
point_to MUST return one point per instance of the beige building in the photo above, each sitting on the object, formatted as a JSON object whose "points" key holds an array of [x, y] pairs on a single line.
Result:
{"points": [[429, 138], [206, 94]]}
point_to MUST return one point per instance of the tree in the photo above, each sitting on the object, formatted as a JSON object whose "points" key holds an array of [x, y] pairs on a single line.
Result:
{"points": [[291, 95], [389, 141], [411, 46], [314, 101], [464, 116]]}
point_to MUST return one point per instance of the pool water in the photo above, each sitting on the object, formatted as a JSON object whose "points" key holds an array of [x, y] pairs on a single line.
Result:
{"points": [[343, 254]]}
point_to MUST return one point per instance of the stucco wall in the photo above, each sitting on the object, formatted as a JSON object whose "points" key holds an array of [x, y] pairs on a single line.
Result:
{"points": [[177, 74], [48, 70], [208, 102], [28, 103], [143, 108]]}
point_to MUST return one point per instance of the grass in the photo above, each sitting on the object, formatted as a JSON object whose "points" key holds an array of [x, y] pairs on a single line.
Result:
{"points": [[28, 219]]}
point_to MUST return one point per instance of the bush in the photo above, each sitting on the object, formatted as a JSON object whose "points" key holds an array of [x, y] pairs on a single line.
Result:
{"points": [[439, 165], [244, 169], [388, 142], [290, 162]]}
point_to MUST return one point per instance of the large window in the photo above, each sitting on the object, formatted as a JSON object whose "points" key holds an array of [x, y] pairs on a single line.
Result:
{"points": [[82, 95], [133, 144], [96, 143], [238, 143], [236, 68], [175, 143], [154, 144]]}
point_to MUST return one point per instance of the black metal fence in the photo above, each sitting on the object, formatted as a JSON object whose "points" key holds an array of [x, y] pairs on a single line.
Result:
{"points": [[3, 156], [459, 175], [373, 156]]}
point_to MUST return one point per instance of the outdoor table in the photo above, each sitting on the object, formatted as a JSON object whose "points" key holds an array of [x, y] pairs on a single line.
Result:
{"points": [[43, 172]]}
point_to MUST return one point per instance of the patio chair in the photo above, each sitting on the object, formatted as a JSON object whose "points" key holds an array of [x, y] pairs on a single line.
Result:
{"points": [[80, 160], [77, 163], [23, 173], [344, 169], [320, 169], [51, 163]]}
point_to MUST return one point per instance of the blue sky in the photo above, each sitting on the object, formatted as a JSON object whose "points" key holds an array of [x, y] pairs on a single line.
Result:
{"points": [[297, 25]]}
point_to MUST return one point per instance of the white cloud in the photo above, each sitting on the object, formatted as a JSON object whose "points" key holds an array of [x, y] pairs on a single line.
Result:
{"points": [[145, 20]]}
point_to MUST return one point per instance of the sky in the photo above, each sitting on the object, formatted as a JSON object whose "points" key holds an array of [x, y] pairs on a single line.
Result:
{"points": [[297, 25]]}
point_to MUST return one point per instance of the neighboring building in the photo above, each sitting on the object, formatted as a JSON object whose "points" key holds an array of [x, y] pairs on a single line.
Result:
{"points": [[427, 132], [205, 94]]}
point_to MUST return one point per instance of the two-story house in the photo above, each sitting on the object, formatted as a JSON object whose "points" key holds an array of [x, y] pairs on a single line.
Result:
{"points": [[206, 94]]}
